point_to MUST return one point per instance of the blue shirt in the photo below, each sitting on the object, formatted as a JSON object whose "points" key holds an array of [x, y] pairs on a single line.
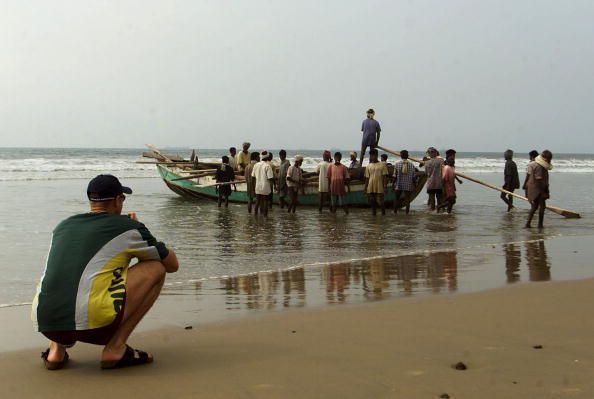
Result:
{"points": [[370, 128]]}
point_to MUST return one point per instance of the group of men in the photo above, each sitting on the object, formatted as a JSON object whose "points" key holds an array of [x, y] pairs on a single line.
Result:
{"points": [[334, 178], [536, 183], [89, 292]]}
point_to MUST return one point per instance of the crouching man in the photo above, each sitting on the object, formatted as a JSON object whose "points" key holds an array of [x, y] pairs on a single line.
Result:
{"points": [[89, 292]]}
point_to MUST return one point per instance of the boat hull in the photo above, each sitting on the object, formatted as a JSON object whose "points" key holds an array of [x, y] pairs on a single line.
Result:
{"points": [[196, 189]]}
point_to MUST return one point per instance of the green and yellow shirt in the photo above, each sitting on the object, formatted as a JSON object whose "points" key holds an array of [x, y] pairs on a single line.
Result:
{"points": [[84, 282]]}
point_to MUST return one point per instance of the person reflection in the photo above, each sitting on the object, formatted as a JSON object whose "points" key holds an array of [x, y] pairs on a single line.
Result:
{"points": [[539, 267], [407, 272], [293, 281], [442, 270], [376, 283], [267, 287], [337, 280], [225, 233], [513, 256]]}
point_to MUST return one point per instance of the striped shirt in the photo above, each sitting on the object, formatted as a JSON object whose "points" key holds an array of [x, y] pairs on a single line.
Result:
{"points": [[84, 283]]}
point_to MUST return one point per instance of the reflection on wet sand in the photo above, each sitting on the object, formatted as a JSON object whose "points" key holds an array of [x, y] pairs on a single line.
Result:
{"points": [[513, 258], [539, 268], [352, 282], [537, 262], [368, 280]]}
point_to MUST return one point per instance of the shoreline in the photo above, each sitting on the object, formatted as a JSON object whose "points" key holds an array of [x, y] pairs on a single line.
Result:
{"points": [[396, 348], [320, 286]]}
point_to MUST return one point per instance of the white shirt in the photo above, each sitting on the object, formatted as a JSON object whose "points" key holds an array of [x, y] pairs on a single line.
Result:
{"points": [[322, 170], [232, 162], [263, 172]]}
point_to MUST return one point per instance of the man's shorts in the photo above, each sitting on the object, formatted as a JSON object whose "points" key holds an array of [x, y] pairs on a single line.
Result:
{"points": [[434, 191], [96, 336]]}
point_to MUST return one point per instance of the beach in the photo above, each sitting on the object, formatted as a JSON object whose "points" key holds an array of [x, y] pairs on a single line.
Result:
{"points": [[390, 349], [320, 305]]}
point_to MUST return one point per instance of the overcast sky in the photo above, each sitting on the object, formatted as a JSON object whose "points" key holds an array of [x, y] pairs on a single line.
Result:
{"points": [[473, 75]]}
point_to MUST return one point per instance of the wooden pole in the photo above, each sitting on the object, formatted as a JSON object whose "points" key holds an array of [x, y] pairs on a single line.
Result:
{"points": [[165, 163], [560, 211], [220, 184]]}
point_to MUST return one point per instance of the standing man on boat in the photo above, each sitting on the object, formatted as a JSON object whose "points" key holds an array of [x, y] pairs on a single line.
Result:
{"points": [[371, 133], [243, 158], [88, 292]]}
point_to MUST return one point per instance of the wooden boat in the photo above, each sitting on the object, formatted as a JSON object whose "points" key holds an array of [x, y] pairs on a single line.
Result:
{"points": [[179, 177]]}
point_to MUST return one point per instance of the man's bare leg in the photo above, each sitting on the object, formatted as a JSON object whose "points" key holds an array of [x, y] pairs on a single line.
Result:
{"points": [[56, 353], [143, 286], [362, 153]]}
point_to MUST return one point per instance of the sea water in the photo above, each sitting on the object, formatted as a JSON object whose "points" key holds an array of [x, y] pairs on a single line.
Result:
{"points": [[227, 250]]}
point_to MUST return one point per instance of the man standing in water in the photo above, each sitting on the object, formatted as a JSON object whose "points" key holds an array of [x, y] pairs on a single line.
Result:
{"points": [[404, 182], [294, 182], [338, 177], [322, 171], [537, 186], [376, 180], [371, 133], [532, 156], [511, 179], [251, 181], [282, 178], [433, 169], [88, 292], [224, 175], [264, 176]]}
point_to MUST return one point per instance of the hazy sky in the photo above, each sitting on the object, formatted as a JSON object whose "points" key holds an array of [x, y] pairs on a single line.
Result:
{"points": [[473, 75]]}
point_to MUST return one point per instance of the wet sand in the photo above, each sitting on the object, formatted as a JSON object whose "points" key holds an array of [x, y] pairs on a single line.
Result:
{"points": [[401, 348]]}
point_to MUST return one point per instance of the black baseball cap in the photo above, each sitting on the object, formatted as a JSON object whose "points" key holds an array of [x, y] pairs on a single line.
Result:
{"points": [[106, 188]]}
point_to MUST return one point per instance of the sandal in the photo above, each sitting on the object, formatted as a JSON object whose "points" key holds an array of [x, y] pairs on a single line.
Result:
{"points": [[132, 357], [54, 365]]}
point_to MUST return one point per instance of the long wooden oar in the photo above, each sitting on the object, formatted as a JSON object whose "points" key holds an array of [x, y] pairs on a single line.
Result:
{"points": [[221, 184], [560, 211]]}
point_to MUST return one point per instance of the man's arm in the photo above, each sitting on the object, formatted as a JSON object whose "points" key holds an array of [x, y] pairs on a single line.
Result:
{"points": [[377, 136], [170, 262]]}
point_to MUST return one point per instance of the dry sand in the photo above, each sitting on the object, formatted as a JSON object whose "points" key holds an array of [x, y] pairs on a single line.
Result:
{"points": [[391, 349]]}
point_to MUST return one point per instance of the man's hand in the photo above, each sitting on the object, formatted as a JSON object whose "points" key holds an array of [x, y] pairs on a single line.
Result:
{"points": [[132, 215]]}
